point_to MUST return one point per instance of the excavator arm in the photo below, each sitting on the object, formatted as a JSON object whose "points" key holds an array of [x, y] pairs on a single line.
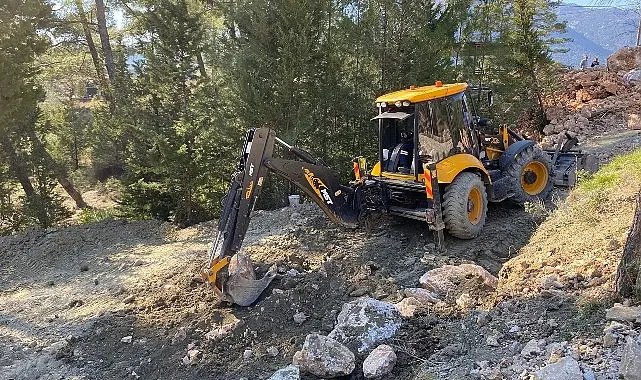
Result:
{"points": [[232, 273]]}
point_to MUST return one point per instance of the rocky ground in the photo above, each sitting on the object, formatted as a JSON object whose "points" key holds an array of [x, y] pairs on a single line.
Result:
{"points": [[531, 298], [118, 300], [598, 108]]}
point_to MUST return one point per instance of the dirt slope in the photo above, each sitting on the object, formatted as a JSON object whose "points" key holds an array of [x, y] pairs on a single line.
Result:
{"points": [[116, 299], [68, 296]]}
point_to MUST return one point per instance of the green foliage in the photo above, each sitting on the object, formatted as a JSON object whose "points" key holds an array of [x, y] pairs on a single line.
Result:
{"points": [[624, 166], [95, 215], [178, 143], [507, 46], [46, 207], [168, 127], [594, 191]]}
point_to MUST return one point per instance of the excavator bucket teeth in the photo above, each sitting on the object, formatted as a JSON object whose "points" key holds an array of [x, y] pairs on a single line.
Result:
{"points": [[242, 287]]}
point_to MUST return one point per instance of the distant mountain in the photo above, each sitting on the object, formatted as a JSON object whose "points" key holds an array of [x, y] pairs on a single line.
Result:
{"points": [[597, 32]]}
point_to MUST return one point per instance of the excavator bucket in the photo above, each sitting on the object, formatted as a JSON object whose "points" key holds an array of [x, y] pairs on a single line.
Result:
{"points": [[234, 279], [242, 287]]}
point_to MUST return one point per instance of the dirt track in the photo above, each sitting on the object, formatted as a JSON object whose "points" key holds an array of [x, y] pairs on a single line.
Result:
{"points": [[68, 296]]}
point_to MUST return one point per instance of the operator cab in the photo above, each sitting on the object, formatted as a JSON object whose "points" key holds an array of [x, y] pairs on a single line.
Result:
{"points": [[422, 126]]}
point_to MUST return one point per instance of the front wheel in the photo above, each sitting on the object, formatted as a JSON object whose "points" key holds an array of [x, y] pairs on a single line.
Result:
{"points": [[530, 174], [465, 206]]}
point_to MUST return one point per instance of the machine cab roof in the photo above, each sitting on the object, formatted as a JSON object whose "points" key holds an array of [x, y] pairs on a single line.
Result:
{"points": [[423, 93]]}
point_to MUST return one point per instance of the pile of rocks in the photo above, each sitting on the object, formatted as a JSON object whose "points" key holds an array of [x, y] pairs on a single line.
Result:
{"points": [[624, 60], [364, 325], [361, 327], [590, 103]]}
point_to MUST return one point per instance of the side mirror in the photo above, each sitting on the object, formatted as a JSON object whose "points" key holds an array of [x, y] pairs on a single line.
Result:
{"points": [[490, 98]]}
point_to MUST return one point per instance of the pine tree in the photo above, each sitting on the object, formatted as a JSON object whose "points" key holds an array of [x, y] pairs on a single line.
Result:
{"points": [[177, 148], [20, 43]]}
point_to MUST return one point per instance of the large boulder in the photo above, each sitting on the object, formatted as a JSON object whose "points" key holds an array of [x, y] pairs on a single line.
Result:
{"points": [[379, 362], [324, 357], [625, 59], [291, 372], [633, 76], [448, 278], [565, 369], [365, 322], [424, 296], [630, 368], [621, 313]]}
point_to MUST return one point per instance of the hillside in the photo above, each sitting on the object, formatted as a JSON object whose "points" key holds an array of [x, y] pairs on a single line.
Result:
{"points": [[116, 300], [530, 298], [597, 32]]}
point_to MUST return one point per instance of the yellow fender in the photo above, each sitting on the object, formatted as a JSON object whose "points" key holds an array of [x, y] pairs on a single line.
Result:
{"points": [[450, 167]]}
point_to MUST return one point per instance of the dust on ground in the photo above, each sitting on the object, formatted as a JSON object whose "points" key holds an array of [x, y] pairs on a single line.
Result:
{"points": [[118, 300], [70, 295]]}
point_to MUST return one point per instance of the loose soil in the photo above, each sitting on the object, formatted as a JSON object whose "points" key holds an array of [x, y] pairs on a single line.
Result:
{"points": [[119, 300], [86, 287]]}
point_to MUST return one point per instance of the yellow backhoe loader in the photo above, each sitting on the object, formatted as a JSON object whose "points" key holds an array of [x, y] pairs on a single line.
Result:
{"points": [[438, 163]]}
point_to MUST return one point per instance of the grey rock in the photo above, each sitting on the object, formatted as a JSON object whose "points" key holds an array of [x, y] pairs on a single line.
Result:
{"points": [[630, 367], [622, 313], [532, 348], [59, 349], [551, 282], [324, 357], [364, 323], [609, 340], [291, 372], [272, 351], [588, 374], [446, 278], [565, 369], [359, 292], [192, 357], [379, 362], [492, 340], [299, 318]]}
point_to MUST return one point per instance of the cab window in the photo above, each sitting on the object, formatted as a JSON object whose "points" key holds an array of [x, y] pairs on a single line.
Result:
{"points": [[435, 140], [444, 128]]}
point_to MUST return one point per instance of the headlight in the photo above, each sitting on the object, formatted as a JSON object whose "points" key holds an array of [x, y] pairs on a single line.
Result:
{"points": [[406, 103], [398, 104]]}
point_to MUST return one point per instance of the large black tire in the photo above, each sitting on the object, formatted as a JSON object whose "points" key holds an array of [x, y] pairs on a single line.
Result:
{"points": [[530, 175], [465, 206]]}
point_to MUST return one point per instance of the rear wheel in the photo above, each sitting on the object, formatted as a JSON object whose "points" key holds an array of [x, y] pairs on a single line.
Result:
{"points": [[465, 206], [530, 173]]}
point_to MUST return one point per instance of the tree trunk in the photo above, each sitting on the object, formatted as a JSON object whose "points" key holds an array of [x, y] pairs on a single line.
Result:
{"points": [[639, 30], [92, 46], [628, 277], [59, 172], [104, 39], [201, 65], [16, 165]]}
